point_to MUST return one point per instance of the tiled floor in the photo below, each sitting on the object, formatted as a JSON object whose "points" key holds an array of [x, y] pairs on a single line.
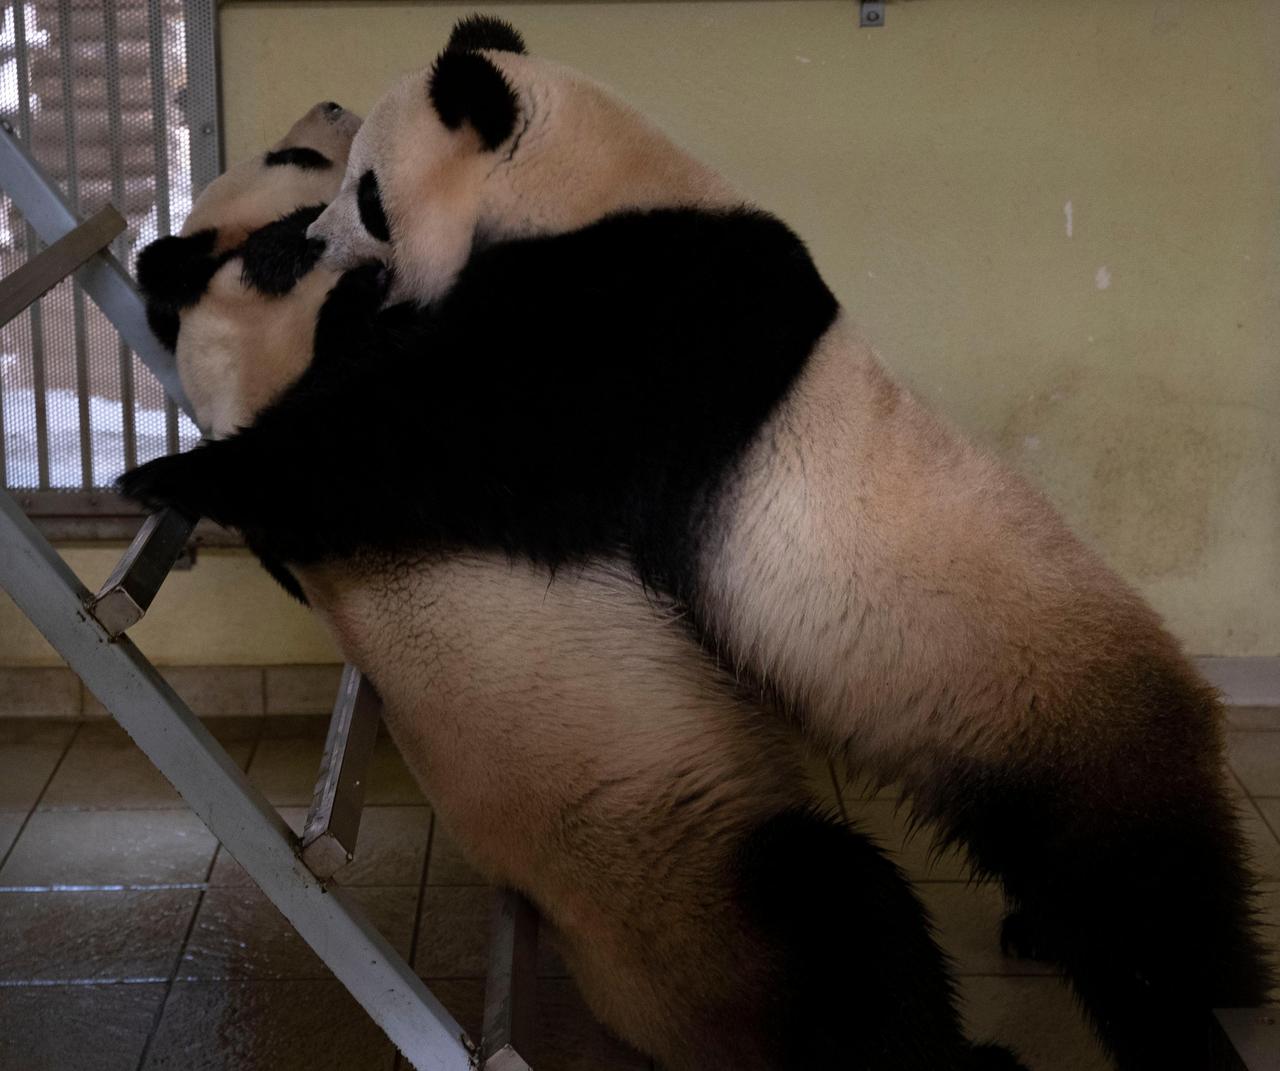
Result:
{"points": [[129, 939]]}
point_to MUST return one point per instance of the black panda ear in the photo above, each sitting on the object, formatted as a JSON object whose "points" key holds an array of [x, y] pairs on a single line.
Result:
{"points": [[475, 32], [465, 87], [175, 271]]}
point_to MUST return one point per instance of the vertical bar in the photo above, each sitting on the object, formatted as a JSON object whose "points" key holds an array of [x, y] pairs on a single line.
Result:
{"points": [[111, 39], [160, 138], [65, 50], [37, 320], [204, 109], [509, 1012]]}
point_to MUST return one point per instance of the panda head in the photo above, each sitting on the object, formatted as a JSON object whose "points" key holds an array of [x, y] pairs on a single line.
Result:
{"points": [[235, 293], [305, 167], [490, 143]]}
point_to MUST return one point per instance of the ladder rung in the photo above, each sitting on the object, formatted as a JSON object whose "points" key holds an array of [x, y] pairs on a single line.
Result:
{"points": [[329, 836], [50, 266], [509, 987], [133, 584]]}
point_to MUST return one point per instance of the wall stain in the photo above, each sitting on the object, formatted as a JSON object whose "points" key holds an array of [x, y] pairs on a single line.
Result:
{"points": [[1136, 470]]}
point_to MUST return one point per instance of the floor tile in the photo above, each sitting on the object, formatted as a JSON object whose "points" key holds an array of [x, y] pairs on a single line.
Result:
{"points": [[238, 933], [210, 691], [29, 691], [282, 1026], [1264, 718], [302, 689], [448, 866], [887, 823], [822, 782], [105, 769], [92, 936], [1255, 757], [1260, 829], [568, 1038], [1037, 1017], [285, 768], [968, 921], [453, 935], [110, 848], [55, 1028], [10, 823], [55, 732], [390, 850], [25, 770]]}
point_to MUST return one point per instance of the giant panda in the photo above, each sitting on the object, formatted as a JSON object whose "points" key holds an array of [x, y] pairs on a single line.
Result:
{"points": [[617, 355], [571, 736]]}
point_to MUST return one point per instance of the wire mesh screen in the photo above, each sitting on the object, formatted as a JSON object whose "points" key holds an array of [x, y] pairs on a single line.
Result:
{"points": [[117, 101]]}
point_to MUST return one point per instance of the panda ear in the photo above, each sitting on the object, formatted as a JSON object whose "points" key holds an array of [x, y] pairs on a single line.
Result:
{"points": [[476, 32], [175, 271], [465, 87]]}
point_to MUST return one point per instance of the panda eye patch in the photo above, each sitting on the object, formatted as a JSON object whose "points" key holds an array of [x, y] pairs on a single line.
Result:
{"points": [[369, 200], [299, 156]]}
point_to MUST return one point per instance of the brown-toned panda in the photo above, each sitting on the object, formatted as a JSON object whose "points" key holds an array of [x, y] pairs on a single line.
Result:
{"points": [[570, 734], [617, 355]]}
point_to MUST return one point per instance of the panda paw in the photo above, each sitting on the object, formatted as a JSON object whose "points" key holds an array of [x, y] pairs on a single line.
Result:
{"points": [[1022, 937], [165, 483]]}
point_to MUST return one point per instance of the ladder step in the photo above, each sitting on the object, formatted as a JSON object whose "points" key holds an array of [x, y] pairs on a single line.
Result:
{"points": [[132, 585], [329, 836], [50, 266], [509, 987]]}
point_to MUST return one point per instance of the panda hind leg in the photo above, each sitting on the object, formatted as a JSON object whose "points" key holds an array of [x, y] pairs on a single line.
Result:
{"points": [[1132, 877], [861, 981]]}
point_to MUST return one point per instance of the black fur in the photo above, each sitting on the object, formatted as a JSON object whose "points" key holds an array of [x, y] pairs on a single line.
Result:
{"points": [[175, 271], [465, 87], [1124, 867], [475, 32], [276, 256], [369, 201], [298, 156], [164, 323], [863, 982], [571, 396]]}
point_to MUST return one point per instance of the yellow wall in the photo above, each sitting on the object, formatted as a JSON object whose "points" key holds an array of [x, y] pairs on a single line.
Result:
{"points": [[224, 611], [929, 165]]}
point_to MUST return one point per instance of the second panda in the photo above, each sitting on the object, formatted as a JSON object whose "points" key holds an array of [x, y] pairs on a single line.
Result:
{"points": [[571, 737]]}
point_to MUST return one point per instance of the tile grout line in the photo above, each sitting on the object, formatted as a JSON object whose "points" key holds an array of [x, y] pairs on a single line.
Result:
{"points": [[40, 795], [398, 1064], [163, 1005]]}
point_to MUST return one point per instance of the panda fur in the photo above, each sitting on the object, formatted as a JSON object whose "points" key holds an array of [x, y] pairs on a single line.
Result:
{"points": [[618, 354], [571, 737]]}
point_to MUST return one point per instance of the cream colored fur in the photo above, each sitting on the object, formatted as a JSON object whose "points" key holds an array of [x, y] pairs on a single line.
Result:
{"points": [[578, 154], [232, 319], [902, 591], [569, 734], [250, 194]]}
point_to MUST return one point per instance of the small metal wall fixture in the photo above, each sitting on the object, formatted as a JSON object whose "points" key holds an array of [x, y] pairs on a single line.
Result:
{"points": [[871, 13]]}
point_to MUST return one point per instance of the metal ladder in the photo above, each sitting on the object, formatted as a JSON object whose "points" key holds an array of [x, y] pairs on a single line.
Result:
{"points": [[89, 631]]}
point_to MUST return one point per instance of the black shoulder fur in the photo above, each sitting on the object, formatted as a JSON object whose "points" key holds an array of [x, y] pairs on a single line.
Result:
{"points": [[572, 395]]}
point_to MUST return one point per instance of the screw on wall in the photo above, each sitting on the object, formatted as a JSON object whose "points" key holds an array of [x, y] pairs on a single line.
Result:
{"points": [[871, 13]]}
